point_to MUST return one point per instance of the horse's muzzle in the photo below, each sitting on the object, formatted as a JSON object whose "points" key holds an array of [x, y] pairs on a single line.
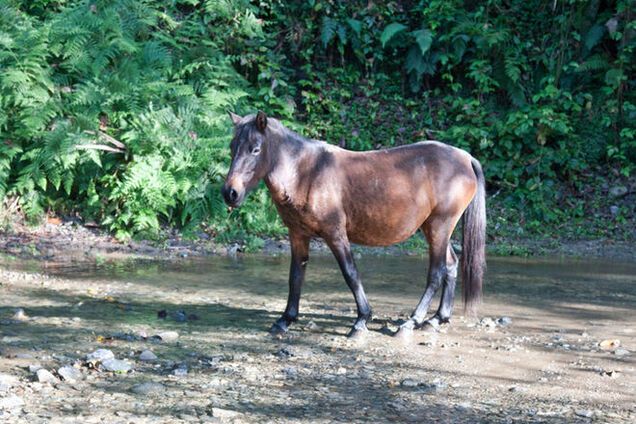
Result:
{"points": [[231, 196]]}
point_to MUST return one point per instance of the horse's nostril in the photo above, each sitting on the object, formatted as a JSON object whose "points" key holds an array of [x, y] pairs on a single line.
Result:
{"points": [[233, 195]]}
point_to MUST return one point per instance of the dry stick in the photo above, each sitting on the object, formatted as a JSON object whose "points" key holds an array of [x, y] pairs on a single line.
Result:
{"points": [[98, 147]]}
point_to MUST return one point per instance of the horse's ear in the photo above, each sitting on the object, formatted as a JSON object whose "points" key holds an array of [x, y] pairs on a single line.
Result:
{"points": [[235, 118], [261, 121]]}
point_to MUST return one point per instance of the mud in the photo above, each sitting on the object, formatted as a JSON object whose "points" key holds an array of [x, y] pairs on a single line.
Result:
{"points": [[535, 353]]}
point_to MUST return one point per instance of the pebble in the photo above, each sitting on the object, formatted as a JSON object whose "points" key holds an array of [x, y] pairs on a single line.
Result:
{"points": [[586, 413], [166, 336], [11, 402], [224, 413], [33, 368], [148, 388], [44, 376], [7, 381], [180, 370], [20, 315], [621, 352], [116, 366], [409, 382], [69, 374], [487, 322], [504, 321], [100, 355], [618, 191], [147, 355]]}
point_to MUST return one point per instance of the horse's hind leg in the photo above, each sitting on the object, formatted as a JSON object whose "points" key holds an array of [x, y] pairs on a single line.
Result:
{"points": [[442, 265], [445, 309]]}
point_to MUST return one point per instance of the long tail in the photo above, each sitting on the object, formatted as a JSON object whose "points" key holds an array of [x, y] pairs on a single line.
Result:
{"points": [[474, 244]]}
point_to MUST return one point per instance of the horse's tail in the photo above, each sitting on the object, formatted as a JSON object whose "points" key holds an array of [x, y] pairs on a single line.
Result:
{"points": [[474, 243]]}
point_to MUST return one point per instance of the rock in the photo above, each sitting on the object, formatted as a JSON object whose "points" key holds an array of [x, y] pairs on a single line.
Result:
{"points": [[44, 376], [148, 356], [609, 344], [621, 352], [116, 366], [311, 326], [618, 191], [586, 413], [34, 368], [504, 321], [409, 382], [11, 402], [166, 336], [487, 322], [148, 388], [180, 370], [614, 210], [224, 413], [69, 374], [20, 315], [7, 381], [100, 355]]}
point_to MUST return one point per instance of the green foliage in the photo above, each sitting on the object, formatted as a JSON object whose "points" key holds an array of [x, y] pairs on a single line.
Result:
{"points": [[117, 109]]}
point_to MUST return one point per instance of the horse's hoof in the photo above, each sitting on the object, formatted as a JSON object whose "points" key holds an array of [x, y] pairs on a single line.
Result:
{"points": [[277, 331], [404, 334], [358, 333], [431, 326]]}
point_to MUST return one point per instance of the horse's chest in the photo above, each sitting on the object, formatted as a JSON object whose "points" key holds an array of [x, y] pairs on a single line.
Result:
{"points": [[298, 217]]}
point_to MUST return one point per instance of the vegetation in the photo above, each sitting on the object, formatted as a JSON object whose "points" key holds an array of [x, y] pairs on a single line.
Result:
{"points": [[116, 110]]}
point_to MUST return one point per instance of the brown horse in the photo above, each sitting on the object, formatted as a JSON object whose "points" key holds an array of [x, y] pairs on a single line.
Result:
{"points": [[373, 198]]}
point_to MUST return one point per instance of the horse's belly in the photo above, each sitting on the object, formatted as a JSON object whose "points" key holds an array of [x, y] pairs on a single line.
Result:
{"points": [[386, 227]]}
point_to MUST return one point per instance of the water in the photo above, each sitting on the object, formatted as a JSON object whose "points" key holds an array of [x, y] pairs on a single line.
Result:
{"points": [[560, 310]]}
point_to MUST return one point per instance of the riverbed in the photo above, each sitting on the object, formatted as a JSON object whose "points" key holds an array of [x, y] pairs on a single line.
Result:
{"points": [[554, 341]]}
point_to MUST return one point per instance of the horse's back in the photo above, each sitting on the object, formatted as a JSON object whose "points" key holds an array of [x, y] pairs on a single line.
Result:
{"points": [[388, 194]]}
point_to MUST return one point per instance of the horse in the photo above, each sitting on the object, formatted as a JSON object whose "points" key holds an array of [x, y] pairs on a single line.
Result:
{"points": [[373, 198]]}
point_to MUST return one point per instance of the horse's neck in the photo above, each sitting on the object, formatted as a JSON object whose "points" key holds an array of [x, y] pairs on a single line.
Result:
{"points": [[284, 180]]}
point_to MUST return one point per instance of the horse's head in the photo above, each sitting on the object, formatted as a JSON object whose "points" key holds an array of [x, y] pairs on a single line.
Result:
{"points": [[249, 157]]}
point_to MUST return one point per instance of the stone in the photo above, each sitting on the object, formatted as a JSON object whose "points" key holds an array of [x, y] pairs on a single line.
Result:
{"points": [[166, 336], [148, 388], [147, 356], [180, 370], [11, 402], [100, 355], [609, 344], [224, 413], [44, 376], [7, 381], [585, 413], [117, 366], [33, 368], [409, 382], [487, 322], [20, 315], [69, 374], [504, 321], [614, 210], [621, 352], [618, 191]]}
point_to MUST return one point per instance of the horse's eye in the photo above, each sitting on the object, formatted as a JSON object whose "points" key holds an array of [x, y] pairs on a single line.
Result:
{"points": [[255, 150]]}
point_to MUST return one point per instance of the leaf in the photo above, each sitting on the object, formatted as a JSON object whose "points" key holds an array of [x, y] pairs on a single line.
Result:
{"points": [[593, 36], [355, 25], [424, 39], [391, 31], [328, 31]]}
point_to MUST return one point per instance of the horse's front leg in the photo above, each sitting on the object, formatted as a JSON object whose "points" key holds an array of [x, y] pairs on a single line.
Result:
{"points": [[300, 256], [342, 251]]}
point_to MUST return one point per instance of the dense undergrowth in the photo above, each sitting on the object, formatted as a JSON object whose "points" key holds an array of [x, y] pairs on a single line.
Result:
{"points": [[116, 110]]}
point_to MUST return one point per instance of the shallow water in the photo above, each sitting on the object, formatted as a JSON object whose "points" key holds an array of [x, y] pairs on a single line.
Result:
{"points": [[544, 367]]}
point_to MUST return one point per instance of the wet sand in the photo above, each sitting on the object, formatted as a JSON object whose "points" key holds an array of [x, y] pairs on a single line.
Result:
{"points": [[546, 365]]}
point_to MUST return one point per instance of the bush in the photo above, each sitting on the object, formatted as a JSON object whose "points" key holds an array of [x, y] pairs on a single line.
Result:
{"points": [[117, 109]]}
